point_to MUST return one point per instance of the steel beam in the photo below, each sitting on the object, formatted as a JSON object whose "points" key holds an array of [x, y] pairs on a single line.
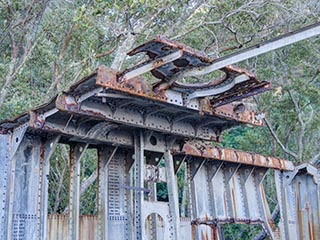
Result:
{"points": [[76, 153], [146, 67], [30, 190], [139, 183], [261, 48], [215, 91], [210, 152], [173, 194], [299, 202], [141, 91], [47, 148], [15, 141], [105, 155], [4, 180], [202, 205], [134, 118]]}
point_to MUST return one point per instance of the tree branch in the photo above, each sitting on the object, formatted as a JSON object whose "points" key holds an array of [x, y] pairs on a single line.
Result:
{"points": [[275, 136]]}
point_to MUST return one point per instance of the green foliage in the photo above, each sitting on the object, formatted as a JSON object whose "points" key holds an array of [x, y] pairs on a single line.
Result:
{"points": [[240, 231]]}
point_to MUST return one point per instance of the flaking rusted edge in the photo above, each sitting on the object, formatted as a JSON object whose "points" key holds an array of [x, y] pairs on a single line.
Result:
{"points": [[232, 155]]}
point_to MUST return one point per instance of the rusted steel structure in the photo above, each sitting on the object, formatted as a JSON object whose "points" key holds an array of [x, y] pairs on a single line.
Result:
{"points": [[133, 125]]}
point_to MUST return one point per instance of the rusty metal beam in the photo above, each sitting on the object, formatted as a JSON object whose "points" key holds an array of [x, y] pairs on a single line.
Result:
{"points": [[134, 118], [234, 156], [140, 89]]}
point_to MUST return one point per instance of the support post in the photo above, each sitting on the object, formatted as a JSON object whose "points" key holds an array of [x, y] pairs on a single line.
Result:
{"points": [[139, 184], [15, 140], [76, 153], [4, 174], [173, 194], [46, 150], [298, 197], [105, 155]]}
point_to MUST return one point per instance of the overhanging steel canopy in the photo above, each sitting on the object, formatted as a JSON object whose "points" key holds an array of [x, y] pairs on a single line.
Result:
{"points": [[114, 102]]}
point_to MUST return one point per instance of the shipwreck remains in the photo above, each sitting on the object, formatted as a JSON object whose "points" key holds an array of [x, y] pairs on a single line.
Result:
{"points": [[133, 125]]}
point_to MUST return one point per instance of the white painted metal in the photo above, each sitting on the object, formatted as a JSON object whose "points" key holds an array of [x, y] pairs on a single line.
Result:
{"points": [[76, 153], [173, 194], [153, 64], [4, 172], [15, 141], [215, 91], [261, 48], [139, 183], [48, 148]]}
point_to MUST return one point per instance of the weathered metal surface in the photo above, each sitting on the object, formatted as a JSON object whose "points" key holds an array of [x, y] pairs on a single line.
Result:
{"points": [[26, 201], [47, 148], [146, 67], [16, 139], [260, 48], [139, 183], [4, 170], [173, 195], [76, 153], [243, 114], [298, 196], [88, 224], [139, 87], [136, 115], [118, 217], [227, 193], [104, 157], [58, 227], [197, 149], [191, 59]]}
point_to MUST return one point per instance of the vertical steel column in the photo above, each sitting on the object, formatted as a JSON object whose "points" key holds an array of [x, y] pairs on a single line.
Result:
{"points": [[29, 211], [286, 228], [139, 184], [4, 175], [267, 224], [105, 154], [14, 142], [298, 197], [172, 193], [76, 153], [46, 150]]}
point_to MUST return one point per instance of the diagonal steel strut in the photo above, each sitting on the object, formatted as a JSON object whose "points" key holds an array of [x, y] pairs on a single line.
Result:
{"points": [[267, 46]]}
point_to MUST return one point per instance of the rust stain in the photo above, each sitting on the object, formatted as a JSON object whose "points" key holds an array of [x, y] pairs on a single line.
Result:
{"points": [[214, 232], [299, 211], [229, 112], [231, 155], [234, 199], [138, 86], [193, 231]]}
